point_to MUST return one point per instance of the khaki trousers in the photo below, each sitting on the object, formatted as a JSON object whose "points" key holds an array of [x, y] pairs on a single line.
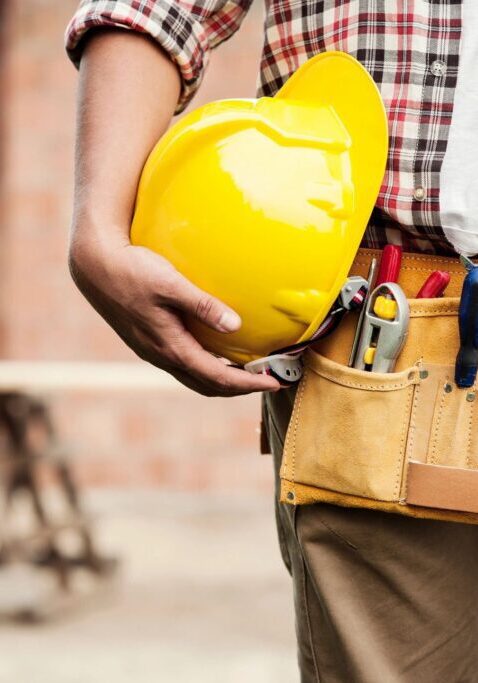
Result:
{"points": [[379, 598]]}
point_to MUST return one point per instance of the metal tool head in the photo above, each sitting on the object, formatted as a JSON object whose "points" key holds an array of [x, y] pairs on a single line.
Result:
{"points": [[372, 272], [467, 262], [385, 334], [353, 292]]}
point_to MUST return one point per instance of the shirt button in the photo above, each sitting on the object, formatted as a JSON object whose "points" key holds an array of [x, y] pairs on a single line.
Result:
{"points": [[438, 68], [419, 194]]}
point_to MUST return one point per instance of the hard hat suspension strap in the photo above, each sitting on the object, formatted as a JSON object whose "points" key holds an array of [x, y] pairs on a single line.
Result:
{"points": [[286, 364]]}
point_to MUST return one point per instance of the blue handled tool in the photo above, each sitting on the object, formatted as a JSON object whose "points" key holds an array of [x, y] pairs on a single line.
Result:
{"points": [[467, 360]]}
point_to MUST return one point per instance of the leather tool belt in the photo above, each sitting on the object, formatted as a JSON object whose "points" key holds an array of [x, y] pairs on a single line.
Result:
{"points": [[403, 442]]}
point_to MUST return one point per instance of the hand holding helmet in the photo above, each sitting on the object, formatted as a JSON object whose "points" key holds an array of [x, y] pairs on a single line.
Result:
{"points": [[263, 203]]}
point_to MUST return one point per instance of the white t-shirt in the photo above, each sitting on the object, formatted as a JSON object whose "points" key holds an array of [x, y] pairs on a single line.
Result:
{"points": [[459, 173]]}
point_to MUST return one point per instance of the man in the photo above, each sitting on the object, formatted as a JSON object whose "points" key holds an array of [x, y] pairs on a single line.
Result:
{"points": [[379, 598]]}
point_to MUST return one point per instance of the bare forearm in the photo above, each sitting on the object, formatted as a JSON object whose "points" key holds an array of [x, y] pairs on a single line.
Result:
{"points": [[127, 95]]}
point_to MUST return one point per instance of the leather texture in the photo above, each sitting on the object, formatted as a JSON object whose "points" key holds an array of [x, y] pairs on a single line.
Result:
{"points": [[353, 433], [439, 486]]}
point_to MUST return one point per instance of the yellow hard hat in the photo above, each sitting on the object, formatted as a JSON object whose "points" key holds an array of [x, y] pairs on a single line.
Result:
{"points": [[263, 202]]}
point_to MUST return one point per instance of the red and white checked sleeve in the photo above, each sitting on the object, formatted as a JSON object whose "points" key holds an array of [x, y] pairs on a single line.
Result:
{"points": [[186, 29]]}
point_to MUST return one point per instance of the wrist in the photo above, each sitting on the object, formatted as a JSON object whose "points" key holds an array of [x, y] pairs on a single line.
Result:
{"points": [[102, 228], [102, 203], [93, 240]]}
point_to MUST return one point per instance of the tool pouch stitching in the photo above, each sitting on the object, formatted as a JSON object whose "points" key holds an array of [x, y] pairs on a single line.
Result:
{"points": [[437, 418], [325, 373], [418, 434]]}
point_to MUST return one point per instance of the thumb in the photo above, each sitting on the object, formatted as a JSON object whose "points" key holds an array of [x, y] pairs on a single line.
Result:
{"points": [[205, 307]]}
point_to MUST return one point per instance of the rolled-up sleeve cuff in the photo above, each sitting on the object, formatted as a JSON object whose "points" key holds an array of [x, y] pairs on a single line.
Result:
{"points": [[172, 27]]}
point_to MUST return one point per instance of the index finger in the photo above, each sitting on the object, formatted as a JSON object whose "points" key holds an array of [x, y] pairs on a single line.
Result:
{"points": [[217, 374]]}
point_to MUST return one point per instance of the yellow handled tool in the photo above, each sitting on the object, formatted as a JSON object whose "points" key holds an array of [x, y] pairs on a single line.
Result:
{"points": [[383, 337]]}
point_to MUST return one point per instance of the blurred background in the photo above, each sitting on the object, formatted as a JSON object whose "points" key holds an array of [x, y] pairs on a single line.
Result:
{"points": [[137, 537]]}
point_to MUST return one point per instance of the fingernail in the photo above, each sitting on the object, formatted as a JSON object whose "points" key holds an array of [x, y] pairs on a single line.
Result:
{"points": [[229, 322]]}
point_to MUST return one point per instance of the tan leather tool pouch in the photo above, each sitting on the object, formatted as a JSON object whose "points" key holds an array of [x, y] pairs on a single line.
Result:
{"points": [[404, 442]]}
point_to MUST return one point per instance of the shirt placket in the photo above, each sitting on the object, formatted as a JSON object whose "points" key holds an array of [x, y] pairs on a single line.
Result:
{"points": [[435, 115]]}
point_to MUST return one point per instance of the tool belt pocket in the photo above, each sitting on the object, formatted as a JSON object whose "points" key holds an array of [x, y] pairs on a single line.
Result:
{"points": [[404, 442]]}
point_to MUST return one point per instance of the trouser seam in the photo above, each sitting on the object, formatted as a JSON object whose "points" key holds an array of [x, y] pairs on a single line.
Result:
{"points": [[341, 538], [307, 616], [305, 600]]}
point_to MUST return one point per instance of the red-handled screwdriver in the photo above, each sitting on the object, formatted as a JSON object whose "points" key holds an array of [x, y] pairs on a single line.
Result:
{"points": [[435, 285], [389, 265]]}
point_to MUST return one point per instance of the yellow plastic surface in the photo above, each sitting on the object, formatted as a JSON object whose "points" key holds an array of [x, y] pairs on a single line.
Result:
{"points": [[369, 355], [263, 203], [385, 308]]}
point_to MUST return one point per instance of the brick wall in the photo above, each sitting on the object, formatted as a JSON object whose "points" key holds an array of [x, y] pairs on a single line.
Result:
{"points": [[119, 439]]}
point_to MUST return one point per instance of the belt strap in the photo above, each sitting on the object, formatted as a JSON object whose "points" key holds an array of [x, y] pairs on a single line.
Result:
{"points": [[415, 270]]}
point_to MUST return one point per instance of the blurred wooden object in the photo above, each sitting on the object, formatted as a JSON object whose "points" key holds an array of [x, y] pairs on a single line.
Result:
{"points": [[41, 376], [42, 523]]}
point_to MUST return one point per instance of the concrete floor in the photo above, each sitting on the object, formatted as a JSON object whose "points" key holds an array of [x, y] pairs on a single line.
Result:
{"points": [[201, 597]]}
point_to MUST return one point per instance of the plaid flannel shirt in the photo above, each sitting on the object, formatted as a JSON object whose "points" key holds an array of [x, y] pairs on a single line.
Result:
{"points": [[410, 48]]}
